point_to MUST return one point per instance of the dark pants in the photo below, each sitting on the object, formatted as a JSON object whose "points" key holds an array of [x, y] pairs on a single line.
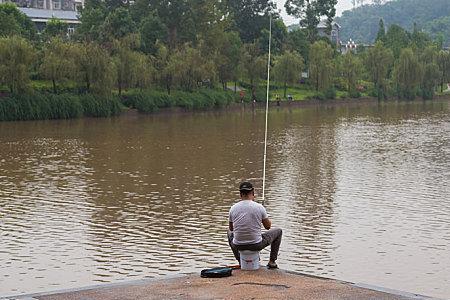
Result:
{"points": [[271, 237]]}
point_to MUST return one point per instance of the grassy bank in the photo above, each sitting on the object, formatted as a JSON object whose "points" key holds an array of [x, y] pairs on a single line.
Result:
{"points": [[151, 101], [42, 106]]}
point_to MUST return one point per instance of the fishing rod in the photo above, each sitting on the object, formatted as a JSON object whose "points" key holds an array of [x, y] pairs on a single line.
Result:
{"points": [[267, 110]]}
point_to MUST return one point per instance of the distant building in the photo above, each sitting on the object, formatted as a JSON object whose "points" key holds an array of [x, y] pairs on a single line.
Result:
{"points": [[333, 35], [323, 30], [41, 11]]}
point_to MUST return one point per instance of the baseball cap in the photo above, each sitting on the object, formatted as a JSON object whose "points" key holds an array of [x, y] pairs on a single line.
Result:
{"points": [[246, 186]]}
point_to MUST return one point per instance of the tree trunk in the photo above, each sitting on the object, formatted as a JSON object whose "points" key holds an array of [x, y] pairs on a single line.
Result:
{"points": [[54, 85], [235, 87], [285, 89]]}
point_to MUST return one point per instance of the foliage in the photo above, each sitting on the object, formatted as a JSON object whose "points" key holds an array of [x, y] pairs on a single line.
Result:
{"points": [[310, 12], [58, 63], [362, 23], [250, 17], [378, 61], [439, 27], [148, 101], [132, 68], [117, 25], [430, 80], [351, 69], [443, 62], [189, 68], [296, 41], [55, 28], [321, 65], [14, 22], [397, 39], [94, 68], [39, 106], [288, 68], [16, 58], [152, 30], [407, 74], [253, 66], [381, 35], [92, 17]]}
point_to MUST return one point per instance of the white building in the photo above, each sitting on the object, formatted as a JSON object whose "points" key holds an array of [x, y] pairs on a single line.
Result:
{"points": [[41, 11]]}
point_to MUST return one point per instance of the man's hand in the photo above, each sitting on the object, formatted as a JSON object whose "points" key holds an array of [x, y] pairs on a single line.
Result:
{"points": [[267, 223], [230, 226]]}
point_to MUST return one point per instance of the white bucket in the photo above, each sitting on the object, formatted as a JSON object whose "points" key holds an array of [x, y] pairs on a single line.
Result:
{"points": [[249, 260]]}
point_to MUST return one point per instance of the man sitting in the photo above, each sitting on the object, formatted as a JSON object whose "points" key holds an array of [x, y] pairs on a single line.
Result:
{"points": [[245, 219]]}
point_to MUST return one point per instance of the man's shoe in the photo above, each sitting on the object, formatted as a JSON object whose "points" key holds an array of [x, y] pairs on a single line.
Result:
{"points": [[272, 265]]}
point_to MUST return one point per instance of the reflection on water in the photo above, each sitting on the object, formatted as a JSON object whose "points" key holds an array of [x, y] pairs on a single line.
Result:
{"points": [[361, 193]]}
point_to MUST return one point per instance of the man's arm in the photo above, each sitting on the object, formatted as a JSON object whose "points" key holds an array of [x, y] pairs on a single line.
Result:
{"points": [[230, 226], [267, 223]]}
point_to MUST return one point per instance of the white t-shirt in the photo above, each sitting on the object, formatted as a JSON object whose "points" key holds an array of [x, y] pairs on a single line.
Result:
{"points": [[247, 216]]}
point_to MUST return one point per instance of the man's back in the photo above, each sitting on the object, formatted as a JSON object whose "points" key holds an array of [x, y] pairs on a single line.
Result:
{"points": [[247, 217]]}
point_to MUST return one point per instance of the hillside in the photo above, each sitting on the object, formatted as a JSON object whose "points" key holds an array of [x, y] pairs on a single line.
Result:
{"points": [[361, 24]]}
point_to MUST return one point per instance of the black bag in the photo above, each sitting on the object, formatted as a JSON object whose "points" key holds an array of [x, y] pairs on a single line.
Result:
{"points": [[216, 272]]}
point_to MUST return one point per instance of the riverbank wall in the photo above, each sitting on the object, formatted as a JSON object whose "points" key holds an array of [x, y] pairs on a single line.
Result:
{"points": [[260, 284]]}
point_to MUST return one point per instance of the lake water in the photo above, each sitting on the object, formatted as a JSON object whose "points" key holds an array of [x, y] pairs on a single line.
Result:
{"points": [[361, 192]]}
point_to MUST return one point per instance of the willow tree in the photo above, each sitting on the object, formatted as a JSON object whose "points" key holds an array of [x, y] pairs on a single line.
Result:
{"points": [[378, 62], [443, 62], [288, 68], [16, 58], [321, 67], [351, 69], [253, 65], [188, 67], [94, 68], [132, 67], [408, 74], [430, 80], [58, 64]]}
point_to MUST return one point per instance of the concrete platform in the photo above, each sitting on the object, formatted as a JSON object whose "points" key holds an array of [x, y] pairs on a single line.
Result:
{"points": [[261, 284]]}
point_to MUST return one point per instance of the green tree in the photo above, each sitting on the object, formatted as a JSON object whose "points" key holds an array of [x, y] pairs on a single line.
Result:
{"points": [[288, 68], [250, 17], [408, 74], [419, 39], [279, 35], [351, 69], [94, 68], [431, 76], [253, 65], [321, 67], [397, 39], [443, 62], [14, 22], [378, 62], [296, 41], [226, 54], [55, 28], [145, 70], [132, 68], [381, 35], [92, 17], [16, 58], [8, 25], [164, 74], [58, 63], [117, 25], [310, 12], [152, 30], [188, 67], [186, 19]]}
